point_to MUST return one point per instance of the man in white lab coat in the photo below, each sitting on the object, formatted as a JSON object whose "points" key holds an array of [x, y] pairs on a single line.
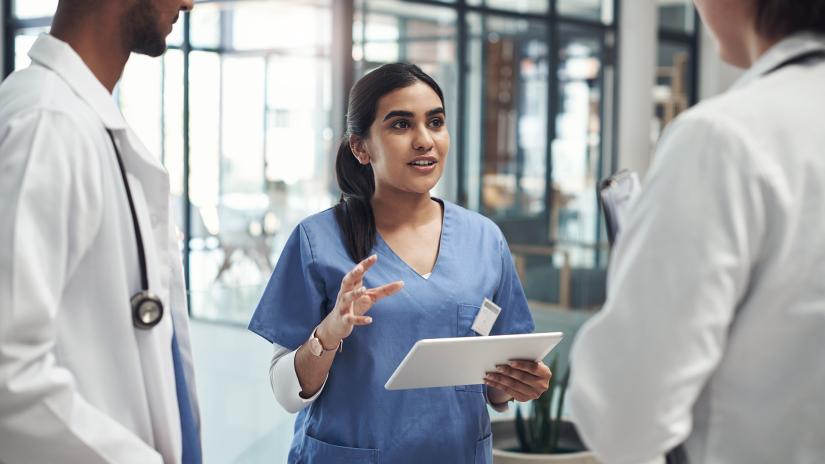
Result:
{"points": [[82, 378], [712, 333]]}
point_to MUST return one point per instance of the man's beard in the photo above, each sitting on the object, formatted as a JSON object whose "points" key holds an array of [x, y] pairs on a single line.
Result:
{"points": [[141, 22]]}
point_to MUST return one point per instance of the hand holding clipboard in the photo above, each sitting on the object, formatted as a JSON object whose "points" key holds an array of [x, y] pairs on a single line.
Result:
{"points": [[617, 193]]}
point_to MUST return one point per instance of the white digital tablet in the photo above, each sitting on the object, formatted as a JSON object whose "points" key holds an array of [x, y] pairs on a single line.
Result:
{"points": [[443, 362]]}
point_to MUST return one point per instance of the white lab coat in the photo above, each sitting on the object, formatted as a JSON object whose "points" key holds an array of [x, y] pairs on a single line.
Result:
{"points": [[712, 333], [78, 383]]}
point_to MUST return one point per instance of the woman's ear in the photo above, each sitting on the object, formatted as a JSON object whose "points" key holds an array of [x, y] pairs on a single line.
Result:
{"points": [[356, 144]]}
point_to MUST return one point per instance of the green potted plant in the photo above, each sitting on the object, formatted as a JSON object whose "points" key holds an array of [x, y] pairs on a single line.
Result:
{"points": [[541, 436]]}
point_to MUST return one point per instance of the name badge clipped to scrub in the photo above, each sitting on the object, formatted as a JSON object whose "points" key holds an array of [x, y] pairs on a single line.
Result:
{"points": [[486, 317]]}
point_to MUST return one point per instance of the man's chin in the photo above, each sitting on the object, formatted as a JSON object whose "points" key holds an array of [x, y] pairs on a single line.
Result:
{"points": [[152, 50]]}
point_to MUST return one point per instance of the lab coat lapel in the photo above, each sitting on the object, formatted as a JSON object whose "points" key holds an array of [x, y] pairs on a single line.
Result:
{"points": [[61, 58], [152, 205]]}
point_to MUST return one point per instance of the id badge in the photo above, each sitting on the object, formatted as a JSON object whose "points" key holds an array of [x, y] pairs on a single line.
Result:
{"points": [[486, 317]]}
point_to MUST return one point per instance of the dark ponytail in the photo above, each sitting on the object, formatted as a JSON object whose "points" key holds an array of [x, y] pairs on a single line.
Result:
{"points": [[356, 181], [354, 211]]}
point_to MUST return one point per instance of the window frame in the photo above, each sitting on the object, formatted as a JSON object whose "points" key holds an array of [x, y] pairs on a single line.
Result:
{"points": [[690, 40]]}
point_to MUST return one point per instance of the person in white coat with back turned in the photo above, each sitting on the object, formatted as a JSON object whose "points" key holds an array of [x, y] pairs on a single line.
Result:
{"points": [[95, 363], [712, 339]]}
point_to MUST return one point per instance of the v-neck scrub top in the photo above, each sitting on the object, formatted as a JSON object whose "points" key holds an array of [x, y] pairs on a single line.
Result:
{"points": [[355, 420]]}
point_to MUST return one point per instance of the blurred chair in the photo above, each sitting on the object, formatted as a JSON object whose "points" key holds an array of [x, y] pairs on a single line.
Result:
{"points": [[547, 275], [520, 254], [245, 227]]}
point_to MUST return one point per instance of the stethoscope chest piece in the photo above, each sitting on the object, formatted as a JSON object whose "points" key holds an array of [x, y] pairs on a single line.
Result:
{"points": [[147, 310]]}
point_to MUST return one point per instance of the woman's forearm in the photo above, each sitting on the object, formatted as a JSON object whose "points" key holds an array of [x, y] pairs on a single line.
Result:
{"points": [[312, 370], [353, 301]]}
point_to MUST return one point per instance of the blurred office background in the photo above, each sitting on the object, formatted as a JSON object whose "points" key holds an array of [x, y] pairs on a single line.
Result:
{"points": [[544, 99]]}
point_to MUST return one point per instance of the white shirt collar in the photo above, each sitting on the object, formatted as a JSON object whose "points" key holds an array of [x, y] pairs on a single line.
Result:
{"points": [[58, 56], [786, 49]]}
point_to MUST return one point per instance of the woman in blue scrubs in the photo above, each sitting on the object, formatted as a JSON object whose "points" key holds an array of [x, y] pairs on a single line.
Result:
{"points": [[359, 284]]}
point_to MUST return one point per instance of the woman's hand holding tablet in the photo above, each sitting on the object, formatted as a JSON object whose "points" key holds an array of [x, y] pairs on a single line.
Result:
{"points": [[519, 380]]}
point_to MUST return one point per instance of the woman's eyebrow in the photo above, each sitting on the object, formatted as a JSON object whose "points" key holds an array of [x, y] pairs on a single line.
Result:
{"points": [[410, 114], [392, 114]]}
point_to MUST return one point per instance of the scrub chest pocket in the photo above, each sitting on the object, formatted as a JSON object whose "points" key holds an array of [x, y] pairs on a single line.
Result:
{"points": [[466, 316]]}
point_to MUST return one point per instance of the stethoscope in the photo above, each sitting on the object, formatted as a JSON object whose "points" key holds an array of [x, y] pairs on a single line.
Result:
{"points": [[147, 309], [802, 57]]}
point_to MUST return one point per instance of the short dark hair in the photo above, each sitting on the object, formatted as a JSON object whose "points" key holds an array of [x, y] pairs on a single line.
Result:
{"points": [[779, 18]]}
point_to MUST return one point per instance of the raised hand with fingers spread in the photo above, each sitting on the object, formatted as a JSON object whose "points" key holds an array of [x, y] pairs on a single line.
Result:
{"points": [[353, 302]]}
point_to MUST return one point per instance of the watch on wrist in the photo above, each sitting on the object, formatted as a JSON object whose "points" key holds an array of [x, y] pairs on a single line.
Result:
{"points": [[317, 349]]}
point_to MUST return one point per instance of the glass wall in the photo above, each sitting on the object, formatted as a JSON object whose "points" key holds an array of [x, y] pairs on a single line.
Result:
{"points": [[594, 10], [33, 9], [239, 111], [260, 143], [677, 15], [509, 95], [579, 153], [676, 72], [536, 91], [518, 6]]}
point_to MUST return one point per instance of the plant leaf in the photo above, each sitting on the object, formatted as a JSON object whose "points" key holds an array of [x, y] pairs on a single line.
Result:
{"points": [[521, 434], [559, 409]]}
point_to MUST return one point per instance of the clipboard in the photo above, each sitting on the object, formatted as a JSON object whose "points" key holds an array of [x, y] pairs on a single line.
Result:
{"points": [[444, 362], [617, 194]]}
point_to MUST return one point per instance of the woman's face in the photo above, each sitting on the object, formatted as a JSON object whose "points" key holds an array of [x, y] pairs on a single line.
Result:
{"points": [[408, 140]]}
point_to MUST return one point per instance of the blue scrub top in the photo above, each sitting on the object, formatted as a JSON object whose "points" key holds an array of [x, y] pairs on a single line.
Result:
{"points": [[355, 420]]}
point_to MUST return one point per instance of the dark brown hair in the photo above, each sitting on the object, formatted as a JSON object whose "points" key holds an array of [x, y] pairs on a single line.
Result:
{"points": [[779, 18], [356, 181]]}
